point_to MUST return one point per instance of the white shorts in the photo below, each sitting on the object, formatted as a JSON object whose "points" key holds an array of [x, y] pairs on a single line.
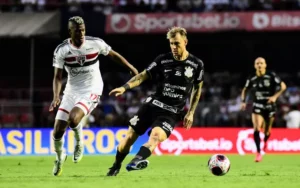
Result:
{"points": [[87, 103]]}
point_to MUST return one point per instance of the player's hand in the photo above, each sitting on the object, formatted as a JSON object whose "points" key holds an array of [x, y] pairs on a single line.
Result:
{"points": [[188, 120], [118, 91], [243, 106], [272, 99], [54, 104]]}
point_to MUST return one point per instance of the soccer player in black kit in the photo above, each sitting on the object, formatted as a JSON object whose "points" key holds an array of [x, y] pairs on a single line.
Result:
{"points": [[179, 75], [267, 88]]}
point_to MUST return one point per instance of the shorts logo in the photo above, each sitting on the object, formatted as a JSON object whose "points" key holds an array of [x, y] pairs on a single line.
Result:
{"points": [[188, 72], [257, 110], [167, 126], [133, 121]]}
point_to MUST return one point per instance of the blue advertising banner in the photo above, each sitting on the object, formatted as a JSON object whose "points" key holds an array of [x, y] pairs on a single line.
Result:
{"points": [[39, 141]]}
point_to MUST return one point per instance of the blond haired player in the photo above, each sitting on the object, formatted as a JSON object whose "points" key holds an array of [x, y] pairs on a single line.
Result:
{"points": [[79, 56]]}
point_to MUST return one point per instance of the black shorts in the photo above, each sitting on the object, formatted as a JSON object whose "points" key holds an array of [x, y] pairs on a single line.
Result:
{"points": [[150, 116], [266, 110]]}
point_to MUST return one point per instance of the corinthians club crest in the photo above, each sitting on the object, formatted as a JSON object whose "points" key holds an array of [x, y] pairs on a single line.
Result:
{"points": [[267, 83], [80, 59], [188, 72]]}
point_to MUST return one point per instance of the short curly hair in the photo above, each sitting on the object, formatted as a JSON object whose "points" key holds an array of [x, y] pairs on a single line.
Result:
{"points": [[174, 30], [76, 20]]}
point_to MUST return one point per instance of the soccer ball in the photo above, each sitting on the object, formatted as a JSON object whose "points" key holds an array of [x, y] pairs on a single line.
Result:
{"points": [[218, 164]]}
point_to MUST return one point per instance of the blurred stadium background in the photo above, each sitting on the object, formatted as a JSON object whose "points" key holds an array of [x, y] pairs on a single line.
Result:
{"points": [[226, 34]]}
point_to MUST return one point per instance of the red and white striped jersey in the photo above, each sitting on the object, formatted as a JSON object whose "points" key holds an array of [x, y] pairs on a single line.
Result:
{"points": [[81, 64]]}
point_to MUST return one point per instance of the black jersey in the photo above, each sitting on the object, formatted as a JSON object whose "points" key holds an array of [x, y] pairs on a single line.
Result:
{"points": [[264, 86], [175, 79]]}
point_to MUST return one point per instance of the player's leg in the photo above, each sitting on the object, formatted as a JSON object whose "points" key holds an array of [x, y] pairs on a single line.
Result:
{"points": [[258, 123], [84, 106], [60, 127], [75, 118], [138, 126], [122, 151], [139, 162], [267, 129], [163, 125]]}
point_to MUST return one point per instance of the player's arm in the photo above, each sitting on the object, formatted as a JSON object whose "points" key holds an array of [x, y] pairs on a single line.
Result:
{"points": [[58, 64], [194, 100], [279, 83], [195, 96], [57, 83], [132, 83], [243, 98], [116, 57], [244, 94], [278, 93]]}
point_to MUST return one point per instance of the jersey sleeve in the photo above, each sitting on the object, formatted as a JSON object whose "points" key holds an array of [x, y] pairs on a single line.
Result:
{"points": [[277, 79], [102, 46], [58, 59], [248, 83], [199, 74], [153, 68]]}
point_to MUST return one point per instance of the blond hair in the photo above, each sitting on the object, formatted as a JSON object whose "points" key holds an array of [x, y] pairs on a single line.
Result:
{"points": [[77, 20], [174, 30]]}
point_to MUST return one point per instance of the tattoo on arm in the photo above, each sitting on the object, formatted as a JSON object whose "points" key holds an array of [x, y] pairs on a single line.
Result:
{"points": [[196, 94], [136, 80]]}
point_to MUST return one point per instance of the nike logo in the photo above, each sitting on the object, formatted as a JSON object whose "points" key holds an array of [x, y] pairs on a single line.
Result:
{"points": [[168, 70]]}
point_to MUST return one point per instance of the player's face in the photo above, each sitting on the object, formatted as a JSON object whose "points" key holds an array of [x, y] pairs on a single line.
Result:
{"points": [[178, 45], [260, 65], [77, 32]]}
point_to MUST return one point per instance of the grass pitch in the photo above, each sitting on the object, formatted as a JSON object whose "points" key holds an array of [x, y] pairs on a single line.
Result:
{"points": [[275, 171]]}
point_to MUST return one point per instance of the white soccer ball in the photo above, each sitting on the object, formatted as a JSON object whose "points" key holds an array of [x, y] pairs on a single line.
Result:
{"points": [[218, 164]]}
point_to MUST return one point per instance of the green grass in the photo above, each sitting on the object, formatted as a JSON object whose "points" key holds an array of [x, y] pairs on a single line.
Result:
{"points": [[275, 171]]}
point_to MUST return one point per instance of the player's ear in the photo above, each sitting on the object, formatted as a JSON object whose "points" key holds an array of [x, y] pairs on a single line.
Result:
{"points": [[186, 41]]}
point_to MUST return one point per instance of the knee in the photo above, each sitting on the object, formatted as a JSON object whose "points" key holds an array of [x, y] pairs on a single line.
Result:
{"points": [[156, 138], [74, 119], [129, 139], [58, 132], [267, 132]]}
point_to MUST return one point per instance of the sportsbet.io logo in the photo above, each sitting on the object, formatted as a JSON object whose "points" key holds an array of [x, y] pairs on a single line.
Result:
{"points": [[245, 143], [172, 145]]}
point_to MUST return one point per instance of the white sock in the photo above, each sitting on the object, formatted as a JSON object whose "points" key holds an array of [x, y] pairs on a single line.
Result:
{"points": [[78, 134], [58, 147]]}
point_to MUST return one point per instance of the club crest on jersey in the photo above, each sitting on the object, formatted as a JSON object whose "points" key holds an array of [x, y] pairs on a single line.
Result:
{"points": [[267, 83], [188, 72], [81, 59]]}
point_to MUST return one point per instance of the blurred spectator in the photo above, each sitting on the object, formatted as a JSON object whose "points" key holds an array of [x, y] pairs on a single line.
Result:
{"points": [[292, 118], [148, 6]]}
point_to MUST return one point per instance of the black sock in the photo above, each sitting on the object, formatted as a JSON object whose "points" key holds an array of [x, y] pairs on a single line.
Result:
{"points": [[143, 153], [257, 141], [120, 157], [267, 137]]}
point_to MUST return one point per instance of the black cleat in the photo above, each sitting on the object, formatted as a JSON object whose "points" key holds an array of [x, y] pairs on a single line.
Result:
{"points": [[114, 170], [138, 164]]}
